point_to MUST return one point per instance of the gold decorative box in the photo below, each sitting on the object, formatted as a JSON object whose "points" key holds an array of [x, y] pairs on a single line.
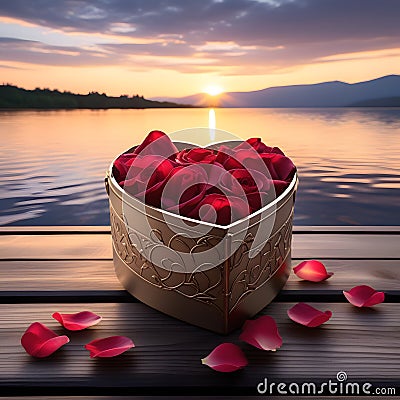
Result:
{"points": [[212, 276]]}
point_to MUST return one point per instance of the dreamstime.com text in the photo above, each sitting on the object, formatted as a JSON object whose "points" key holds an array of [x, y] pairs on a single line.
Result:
{"points": [[340, 386]]}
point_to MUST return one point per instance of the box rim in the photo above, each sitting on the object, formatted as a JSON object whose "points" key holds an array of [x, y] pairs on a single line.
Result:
{"points": [[122, 193]]}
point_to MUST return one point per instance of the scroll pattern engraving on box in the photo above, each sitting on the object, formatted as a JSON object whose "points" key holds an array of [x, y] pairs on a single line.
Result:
{"points": [[246, 274], [204, 286]]}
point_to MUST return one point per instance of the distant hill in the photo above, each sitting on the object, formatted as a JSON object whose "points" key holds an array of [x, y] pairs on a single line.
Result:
{"points": [[15, 97], [326, 94]]}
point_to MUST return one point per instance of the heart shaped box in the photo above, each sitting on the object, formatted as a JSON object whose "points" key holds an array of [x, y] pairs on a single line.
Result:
{"points": [[215, 280]]}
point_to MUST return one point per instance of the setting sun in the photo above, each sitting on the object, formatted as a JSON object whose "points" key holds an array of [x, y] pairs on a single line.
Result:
{"points": [[213, 90]]}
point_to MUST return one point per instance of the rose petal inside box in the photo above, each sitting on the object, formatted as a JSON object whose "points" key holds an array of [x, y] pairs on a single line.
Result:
{"points": [[208, 275]]}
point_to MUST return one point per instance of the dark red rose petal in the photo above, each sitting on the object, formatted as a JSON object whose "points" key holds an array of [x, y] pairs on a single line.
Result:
{"points": [[156, 143], [78, 321], [241, 158], [259, 146], [109, 347], [219, 209], [40, 341], [262, 333], [251, 180], [251, 160], [280, 167], [227, 357], [312, 270], [280, 186], [255, 185], [185, 188], [226, 158], [258, 200], [277, 150], [121, 166], [147, 178], [306, 315], [364, 296], [196, 155], [285, 167]]}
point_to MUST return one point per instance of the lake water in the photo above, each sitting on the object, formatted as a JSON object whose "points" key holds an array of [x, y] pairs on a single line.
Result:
{"points": [[53, 162]]}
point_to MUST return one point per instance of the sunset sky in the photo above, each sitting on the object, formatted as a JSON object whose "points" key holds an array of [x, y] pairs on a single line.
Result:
{"points": [[176, 48]]}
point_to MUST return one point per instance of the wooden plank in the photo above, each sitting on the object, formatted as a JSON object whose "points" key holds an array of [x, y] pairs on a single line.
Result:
{"points": [[167, 355], [346, 246], [89, 246], [99, 397], [64, 247], [58, 275], [55, 230], [31, 230], [382, 274], [98, 276], [357, 230]]}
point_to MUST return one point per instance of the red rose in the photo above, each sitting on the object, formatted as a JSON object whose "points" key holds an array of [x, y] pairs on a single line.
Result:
{"points": [[194, 156], [226, 158], [219, 209], [240, 158], [280, 167], [280, 186], [147, 177], [156, 143], [186, 187], [253, 184], [259, 146], [214, 186], [121, 166]]}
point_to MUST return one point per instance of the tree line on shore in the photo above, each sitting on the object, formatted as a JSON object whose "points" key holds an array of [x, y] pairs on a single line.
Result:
{"points": [[15, 97]]}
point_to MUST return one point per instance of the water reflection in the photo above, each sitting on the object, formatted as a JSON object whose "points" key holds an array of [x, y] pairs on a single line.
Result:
{"points": [[53, 162], [212, 123]]}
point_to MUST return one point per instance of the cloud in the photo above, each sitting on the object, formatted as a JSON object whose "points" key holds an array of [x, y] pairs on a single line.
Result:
{"points": [[35, 52], [231, 36], [5, 66], [267, 22]]}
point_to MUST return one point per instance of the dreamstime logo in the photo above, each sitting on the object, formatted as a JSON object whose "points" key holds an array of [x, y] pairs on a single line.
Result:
{"points": [[174, 242], [341, 376], [339, 387]]}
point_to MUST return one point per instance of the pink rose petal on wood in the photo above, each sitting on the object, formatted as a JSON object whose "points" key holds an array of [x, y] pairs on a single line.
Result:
{"points": [[227, 357], [364, 296], [109, 347], [78, 321], [262, 333], [306, 315], [312, 270], [40, 341]]}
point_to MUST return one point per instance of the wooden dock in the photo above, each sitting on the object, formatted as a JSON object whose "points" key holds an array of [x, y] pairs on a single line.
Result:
{"points": [[70, 269]]}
